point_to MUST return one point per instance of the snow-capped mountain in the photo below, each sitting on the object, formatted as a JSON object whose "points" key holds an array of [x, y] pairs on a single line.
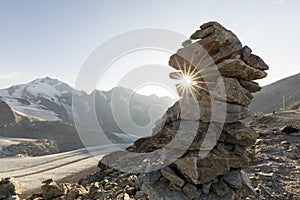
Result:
{"points": [[43, 99], [48, 99]]}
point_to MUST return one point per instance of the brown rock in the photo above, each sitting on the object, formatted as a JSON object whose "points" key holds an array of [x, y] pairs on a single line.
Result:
{"points": [[213, 31], [52, 190], [238, 133], [256, 62], [172, 177], [234, 133], [75, 192], [218, 43], [9, 187], [225, 50], [187, 131], [201, 170], [174, 187], [234, 92], [233, 112], [130, 190], [200, 34], [236, 68], [251, 86], [195, 54]]}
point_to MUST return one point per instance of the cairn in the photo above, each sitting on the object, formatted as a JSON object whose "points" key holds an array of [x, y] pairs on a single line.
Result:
{"points": [[221, 73]]}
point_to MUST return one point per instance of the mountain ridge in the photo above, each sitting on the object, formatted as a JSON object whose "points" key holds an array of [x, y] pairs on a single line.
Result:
{"points": [[47, 99], [271, 97]]}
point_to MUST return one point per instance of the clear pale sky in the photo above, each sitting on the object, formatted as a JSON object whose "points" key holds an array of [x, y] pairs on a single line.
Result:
{"points": [[54, 37]]}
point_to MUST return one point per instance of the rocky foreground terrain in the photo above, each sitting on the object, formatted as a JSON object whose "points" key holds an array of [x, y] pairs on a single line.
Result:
{"points": [[275, 172], [276, 168]]}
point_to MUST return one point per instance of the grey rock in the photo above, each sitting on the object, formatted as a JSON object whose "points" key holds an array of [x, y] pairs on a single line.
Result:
{"points": [[230, 195], [206, 187], [220, 188], [186, 43], [238, 150], [234, 92], [191, 191], [160, 191], [233, 179], [218, 43], [256, 62], [174, 187], [199, 170], [225, 50], [200, 34], [238, 133], [236, 68], [153, 176], [169, 174], [251, 86], [215, 110], [247, 186], [246, 52]]}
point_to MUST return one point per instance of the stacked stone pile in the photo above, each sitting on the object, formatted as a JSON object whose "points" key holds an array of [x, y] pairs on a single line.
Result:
{"points": [[222, 72]]}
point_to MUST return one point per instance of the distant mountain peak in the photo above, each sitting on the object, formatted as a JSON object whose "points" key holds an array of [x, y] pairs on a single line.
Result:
{"points": [[50, 81], [50, 99]]}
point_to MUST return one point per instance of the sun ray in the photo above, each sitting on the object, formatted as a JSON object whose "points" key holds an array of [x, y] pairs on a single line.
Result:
{"points": [[192, 77]]}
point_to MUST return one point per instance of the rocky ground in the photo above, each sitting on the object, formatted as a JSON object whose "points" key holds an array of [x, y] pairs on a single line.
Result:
{"points": [[275, 171], [27, 147]]}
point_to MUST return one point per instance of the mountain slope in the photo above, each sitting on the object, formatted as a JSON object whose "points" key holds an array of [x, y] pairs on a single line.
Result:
{"points": [[270, 98], [48, 99], [43, 99], [7, 116]]}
